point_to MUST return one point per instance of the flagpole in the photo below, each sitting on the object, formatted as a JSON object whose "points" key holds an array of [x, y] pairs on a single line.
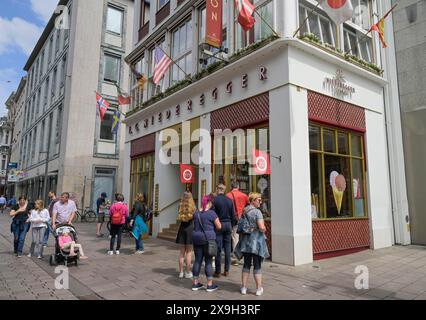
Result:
{"points": [[186, 75], [306, 19]]}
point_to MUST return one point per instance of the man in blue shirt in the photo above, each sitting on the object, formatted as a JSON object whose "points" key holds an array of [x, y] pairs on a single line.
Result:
{"points": [[2, 203]]}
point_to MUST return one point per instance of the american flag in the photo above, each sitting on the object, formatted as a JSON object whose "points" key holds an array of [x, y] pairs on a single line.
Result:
{"points": [[162, 64]]}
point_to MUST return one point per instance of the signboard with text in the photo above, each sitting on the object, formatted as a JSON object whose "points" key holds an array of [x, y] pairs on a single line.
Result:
{"points": [[214, 23]]}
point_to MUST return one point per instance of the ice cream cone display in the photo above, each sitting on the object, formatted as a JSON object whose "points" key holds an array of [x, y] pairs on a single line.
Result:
{"points": [[338, 184]]}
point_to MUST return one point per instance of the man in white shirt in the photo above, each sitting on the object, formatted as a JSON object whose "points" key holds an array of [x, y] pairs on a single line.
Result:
{"points": [[64, 210]]}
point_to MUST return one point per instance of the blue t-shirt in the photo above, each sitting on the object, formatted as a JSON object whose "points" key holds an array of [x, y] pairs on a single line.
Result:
{"points": [[207, 218], [99, 202]]}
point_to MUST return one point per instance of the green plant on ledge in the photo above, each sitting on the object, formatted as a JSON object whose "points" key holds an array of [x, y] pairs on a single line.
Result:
{"points": [[364, 63], [311, 37]]}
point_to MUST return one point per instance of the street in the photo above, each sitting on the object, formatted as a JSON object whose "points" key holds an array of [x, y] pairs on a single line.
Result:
{"points": [[394, 273]]}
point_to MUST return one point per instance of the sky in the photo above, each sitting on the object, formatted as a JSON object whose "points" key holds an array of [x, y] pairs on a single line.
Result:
{"points": [[21, 24]]}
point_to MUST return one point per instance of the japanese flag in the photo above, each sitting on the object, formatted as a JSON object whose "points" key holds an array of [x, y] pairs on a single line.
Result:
{"points": [[338, 10]]}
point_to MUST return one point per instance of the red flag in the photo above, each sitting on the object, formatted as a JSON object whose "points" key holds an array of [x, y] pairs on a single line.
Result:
{"points": [[103, 105], [245, 11], [187, 173], [261, 162], [379, 27], [214, 23]]}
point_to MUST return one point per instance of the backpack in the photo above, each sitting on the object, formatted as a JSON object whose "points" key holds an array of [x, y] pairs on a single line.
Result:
{"points": [[244, 225], [116, 215]]}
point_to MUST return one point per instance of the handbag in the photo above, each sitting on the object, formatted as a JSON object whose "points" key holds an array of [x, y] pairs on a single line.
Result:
{"points": [[211, 244]]}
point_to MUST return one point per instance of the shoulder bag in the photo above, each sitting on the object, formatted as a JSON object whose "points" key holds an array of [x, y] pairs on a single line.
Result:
{"points": [[212, 246]]}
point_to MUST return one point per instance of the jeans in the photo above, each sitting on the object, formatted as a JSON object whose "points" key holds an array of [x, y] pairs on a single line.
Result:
{"points": [[139, 244], [116, 231], [223, 240], [201, 252], [37, 240], [257, 262], [20, 230], [46, 233]]}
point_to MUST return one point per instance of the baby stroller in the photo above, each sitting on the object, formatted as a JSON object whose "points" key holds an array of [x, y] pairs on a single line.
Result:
{"points": [[63, 255]]}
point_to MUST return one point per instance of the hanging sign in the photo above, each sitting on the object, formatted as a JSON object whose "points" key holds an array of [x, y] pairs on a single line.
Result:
{"points": [[261, 162], [187, 173], [214, 23]]}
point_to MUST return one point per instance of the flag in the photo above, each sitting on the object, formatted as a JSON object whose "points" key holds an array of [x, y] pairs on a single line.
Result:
{"points": [[245, 11], [103, 105], [338, 10], [187, 173], [380, 28], [162, 64], [116, 123], [261, 162], [123, 99], [139, 77]]}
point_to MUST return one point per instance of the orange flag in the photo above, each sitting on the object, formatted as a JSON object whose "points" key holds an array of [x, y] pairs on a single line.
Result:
{"points": [[380, 28]]}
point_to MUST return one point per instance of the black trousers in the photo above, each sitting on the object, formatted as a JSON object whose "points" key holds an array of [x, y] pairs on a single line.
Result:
{"points": [[116, 231]]}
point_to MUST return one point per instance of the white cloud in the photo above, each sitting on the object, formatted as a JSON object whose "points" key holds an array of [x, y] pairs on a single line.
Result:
{"points": [[18, 33], [44, 8]]}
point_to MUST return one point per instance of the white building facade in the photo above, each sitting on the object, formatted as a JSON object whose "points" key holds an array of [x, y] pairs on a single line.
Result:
{"points": [[80, 51], [332, 188]]}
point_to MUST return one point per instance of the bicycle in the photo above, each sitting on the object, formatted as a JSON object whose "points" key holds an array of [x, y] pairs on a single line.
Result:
{"points": [[86, 215]]}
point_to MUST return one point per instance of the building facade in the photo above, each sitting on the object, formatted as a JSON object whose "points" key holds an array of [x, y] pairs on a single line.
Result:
{"points": [[410, 44], [320, 114], [64, 143], [5, 142], [16, 109]]}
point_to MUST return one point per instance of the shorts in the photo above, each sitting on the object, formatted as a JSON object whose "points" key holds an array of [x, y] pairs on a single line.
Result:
{"points": [[101, 217]]}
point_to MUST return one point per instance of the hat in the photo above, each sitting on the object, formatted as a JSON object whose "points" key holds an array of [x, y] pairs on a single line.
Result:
{"points": [[103, 194]]}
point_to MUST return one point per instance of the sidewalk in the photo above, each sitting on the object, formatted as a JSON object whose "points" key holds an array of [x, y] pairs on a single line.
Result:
{"points": [[394, 273]]}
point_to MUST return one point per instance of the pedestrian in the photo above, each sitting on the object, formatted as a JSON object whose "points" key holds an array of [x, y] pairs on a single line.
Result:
{"points": [[118, 213], [137, 220], [205, 223], [252, 245], [64, 210], [20, 224], [53, 200], [224, 209], [2, 203], [240, 200], [12, 202], [184, 235], [39, 218], [101, 207]]}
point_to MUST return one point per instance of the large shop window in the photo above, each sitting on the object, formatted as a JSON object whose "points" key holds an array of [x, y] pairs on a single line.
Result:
{"points": [[233, 165], [261, 30], [337, 173], [142, 177], [182, 51]]}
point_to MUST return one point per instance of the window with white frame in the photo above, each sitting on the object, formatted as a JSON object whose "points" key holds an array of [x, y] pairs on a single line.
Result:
{"points": [[161, 3], [57, 41], [145, 12], [58, 125], [182, 51], [111, 68], [114, 20], [50, 48], [46, 91], [317, 24], [361, 16], [137, 91], [357, 44], [105, 132], [38, 102], [55, 76], [42, 64], [42, 142], [34, 143], [152, 88], [261, 30], [63, 71]]}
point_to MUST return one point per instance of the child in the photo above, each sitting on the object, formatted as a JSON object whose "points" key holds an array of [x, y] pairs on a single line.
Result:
{"points": [[66, 242], [39, 218]]}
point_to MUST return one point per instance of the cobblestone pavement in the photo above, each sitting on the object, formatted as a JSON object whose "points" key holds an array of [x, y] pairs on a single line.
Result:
{"points": [[394, 273]]}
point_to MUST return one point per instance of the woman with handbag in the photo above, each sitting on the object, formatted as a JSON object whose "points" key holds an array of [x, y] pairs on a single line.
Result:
{"points": [[252, 244], [204, 238]]}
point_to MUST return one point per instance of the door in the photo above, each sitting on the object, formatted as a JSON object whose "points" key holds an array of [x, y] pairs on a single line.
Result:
{"points": [[104, 181]]}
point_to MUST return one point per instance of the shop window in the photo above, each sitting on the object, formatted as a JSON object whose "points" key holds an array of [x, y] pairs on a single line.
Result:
{"points": [[234, 165], [261, 30], [142, 177], [337, 173]]}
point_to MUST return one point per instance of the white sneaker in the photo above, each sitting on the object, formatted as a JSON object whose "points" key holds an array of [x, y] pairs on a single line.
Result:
{"points": [[181, 275], [140, 252], [110, 253], [243, 291], [117, 252], [259, 291], [39, 257], [29, 255], [188, 275]]}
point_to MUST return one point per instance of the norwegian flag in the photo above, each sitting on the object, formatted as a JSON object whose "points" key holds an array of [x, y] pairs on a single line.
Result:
{"points": [[162, 64], [103, 105], [245, 14]]}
